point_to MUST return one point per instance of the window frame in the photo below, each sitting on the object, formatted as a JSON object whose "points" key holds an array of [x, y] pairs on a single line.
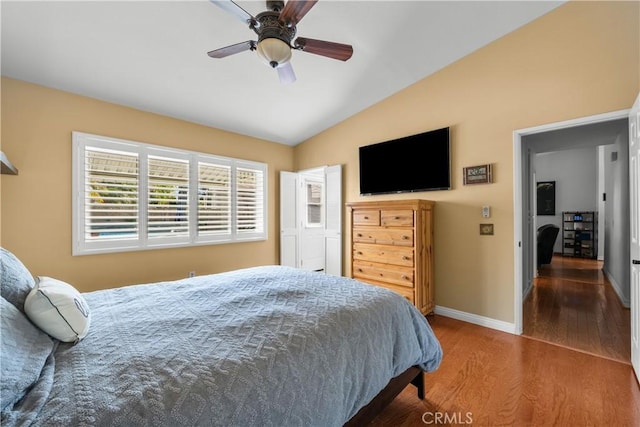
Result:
{"points": [[308, 182], [83, 246]]}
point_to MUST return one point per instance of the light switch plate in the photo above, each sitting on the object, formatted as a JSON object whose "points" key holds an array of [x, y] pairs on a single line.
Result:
{"points": [[486, 212]]}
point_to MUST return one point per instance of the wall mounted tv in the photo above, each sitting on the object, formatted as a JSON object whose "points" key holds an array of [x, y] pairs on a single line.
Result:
{"points": [[413, 163]]}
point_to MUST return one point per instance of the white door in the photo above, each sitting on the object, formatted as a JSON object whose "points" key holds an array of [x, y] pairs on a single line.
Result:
{"points": [[333, 227], [288, 219], [634, 202]]}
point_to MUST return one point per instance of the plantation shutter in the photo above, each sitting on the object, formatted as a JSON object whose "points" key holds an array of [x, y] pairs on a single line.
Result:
{"points": [[168, 198], [111, 192], [249, 201], [134, 196], [214, 199]]}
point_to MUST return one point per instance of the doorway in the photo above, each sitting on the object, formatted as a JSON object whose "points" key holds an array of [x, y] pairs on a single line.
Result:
{"points": [[605, 129]]}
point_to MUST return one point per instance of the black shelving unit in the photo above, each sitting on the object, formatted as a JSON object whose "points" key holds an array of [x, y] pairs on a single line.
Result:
{"points": [[579, 234]]}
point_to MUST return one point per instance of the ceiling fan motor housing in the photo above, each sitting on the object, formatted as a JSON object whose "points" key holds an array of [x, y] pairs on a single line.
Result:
{"points": [[269, 26]]}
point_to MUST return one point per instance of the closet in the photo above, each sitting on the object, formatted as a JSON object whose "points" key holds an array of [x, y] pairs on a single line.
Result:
{"points": [[311, 219]]}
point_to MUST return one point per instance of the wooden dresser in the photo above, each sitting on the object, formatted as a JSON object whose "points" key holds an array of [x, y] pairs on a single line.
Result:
{"points": [[392, 246]]}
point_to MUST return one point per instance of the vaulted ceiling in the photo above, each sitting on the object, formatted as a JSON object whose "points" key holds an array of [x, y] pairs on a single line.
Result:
{"points": [[152, 55]]}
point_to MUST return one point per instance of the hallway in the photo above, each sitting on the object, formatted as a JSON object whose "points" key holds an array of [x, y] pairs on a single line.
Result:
{"points": [[572, 304]]}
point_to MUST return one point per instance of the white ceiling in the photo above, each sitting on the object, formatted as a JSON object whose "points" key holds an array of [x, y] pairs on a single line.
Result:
{"points": [[151, 55]]}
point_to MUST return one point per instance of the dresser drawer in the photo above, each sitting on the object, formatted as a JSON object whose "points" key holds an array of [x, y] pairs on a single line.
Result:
{"points": [[408, 293], [396, 218], [366, 217], [385, 254], [398, 275], [384, 236]]}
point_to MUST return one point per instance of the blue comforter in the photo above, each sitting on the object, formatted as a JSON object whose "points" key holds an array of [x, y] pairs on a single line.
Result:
{"points": [[263, 346]]}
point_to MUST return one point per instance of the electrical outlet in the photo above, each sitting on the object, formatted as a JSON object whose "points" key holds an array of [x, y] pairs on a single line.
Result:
{"points": [[192, 274]]}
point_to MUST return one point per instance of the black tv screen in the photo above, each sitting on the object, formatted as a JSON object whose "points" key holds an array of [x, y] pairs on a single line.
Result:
{"points": [[413, 163]]}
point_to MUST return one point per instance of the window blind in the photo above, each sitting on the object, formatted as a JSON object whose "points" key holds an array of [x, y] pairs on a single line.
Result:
{"points": [[111, 195], [214, 199], [249, 199], [133, 196], [168, 197]]}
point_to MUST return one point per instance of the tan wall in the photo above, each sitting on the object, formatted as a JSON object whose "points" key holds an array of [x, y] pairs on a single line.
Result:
{"points": [[36, 205], [579, 60]]}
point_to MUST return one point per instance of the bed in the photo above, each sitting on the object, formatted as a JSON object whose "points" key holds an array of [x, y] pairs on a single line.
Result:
{"points": [[267, 346]]}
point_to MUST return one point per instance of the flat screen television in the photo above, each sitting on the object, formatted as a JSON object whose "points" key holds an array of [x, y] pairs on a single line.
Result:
{"points": [[413, 163]]}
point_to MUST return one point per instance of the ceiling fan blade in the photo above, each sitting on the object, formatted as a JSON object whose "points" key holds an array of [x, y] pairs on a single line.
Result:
{"points": [[286, 74], [235, 10], [333, 50], [295, 10], [233, 49]]}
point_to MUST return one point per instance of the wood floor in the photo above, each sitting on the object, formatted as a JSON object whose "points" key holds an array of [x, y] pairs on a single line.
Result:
{"points": [[573, 304], [492, 378]]}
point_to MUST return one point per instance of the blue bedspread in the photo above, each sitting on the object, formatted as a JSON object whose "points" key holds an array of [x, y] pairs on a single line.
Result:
{"points": [[263, 346]]}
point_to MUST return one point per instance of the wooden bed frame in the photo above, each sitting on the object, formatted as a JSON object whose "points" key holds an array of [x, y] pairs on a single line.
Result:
{"points": [[413, 375]]}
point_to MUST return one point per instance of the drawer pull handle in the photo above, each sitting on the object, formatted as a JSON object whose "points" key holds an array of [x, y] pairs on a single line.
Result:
{"points": [[366, 217], [404, 277], [359, 235], [360, 270], [405, 237], [359, 253], [396, 217], [404, 257]]}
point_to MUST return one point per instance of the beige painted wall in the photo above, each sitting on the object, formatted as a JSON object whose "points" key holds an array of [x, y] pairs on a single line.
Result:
{"points": [[36, 205], [579, 60]]}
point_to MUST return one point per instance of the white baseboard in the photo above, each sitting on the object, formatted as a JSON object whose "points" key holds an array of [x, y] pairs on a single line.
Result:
{"points": [[476, 319], [626, 302]]}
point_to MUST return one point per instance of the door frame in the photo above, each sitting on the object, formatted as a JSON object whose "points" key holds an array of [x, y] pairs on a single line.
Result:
{"points": [[523, 241], [634, 242]]}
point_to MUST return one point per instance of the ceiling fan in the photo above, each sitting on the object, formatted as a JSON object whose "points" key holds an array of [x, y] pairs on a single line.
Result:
{"points": [[276, 28]]}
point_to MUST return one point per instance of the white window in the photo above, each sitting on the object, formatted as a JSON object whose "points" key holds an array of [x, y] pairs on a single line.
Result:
{"points": [[314, 194], [134, 196]]}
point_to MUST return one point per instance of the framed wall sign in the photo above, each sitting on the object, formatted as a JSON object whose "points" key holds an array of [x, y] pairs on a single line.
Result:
{"points": [[481, 174], [546, 197]]}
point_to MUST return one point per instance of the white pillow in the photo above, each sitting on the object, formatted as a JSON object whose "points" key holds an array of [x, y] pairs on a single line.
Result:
{"points": [[58, 309]]}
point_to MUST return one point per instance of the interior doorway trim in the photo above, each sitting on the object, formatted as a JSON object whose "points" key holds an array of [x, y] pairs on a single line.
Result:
{"points": [[520, 241]]}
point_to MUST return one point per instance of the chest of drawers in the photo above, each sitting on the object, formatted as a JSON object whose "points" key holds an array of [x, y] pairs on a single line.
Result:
{"points": [[391, 246]]}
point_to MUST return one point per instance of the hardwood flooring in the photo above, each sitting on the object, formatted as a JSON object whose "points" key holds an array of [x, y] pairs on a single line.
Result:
{"points": [[572, 304], [492, 378]]}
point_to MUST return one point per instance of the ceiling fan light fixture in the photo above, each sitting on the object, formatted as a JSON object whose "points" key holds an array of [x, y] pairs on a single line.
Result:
{"points": [[274, 51]]}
